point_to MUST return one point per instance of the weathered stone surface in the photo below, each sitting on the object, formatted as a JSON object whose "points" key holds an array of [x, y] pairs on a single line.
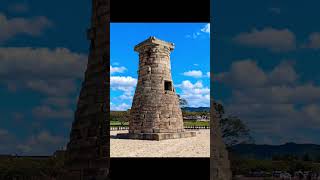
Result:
{"points": [[156, 136], [88, 151], [219, 161], [155, 106]]}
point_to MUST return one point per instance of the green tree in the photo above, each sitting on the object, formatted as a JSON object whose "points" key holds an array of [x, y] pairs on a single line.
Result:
{"points": [[306, 157], [234, 130], [276, 157], [183, 102], [219, 110], [120, 116]]}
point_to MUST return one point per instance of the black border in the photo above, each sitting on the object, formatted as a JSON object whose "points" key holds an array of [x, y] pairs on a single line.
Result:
{"points": [[160, 168], [164, 11], [159, 11]]}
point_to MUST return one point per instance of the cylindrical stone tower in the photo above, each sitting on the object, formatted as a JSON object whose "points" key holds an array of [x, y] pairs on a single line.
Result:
{"points": [[155, 107], [155, 113]]}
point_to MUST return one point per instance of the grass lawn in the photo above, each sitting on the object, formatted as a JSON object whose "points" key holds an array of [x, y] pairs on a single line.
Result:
{"points": [[186, 123], [117, 123], [196, 123]]}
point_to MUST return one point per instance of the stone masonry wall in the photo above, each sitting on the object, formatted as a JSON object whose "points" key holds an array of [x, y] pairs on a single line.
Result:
{"points": [[154, 109], [219, 160], [88, 153]]}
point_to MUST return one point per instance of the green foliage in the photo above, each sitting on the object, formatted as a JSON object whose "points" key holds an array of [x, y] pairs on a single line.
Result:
{"points": [[183, 102], [219, 109], [196, 123], [306, 157], [30, 167], [188, 114], [118, 123], [286, 157], [244, 166], [234, 130], [119, 117]]}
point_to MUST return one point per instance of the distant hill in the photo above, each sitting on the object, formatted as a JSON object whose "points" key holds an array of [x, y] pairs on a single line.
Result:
{"points": [[267, 151], [196, 109]]}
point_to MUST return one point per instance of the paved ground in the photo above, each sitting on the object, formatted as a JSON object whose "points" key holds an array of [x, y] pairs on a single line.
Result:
{"points": [[198, 146]]}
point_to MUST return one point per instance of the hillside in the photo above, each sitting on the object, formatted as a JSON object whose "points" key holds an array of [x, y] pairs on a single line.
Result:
{"points": [[196, 109], [267, 151]]}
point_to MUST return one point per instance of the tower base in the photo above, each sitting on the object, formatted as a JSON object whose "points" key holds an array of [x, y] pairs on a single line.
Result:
{"points": [[156, 136]]}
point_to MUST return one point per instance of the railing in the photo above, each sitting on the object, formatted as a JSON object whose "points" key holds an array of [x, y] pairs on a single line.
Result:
{"points": [[196, 127], [119, 127]]}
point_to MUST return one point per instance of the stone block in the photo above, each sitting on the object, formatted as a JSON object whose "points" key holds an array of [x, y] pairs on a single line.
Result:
{"points": [[156, 136]]}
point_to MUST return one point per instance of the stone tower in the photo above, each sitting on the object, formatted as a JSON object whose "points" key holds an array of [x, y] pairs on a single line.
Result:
{"points": [[219, 161], [87, 154], [155, 113]]}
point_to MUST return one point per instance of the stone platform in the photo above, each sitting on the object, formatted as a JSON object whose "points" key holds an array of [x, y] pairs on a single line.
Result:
{"points": [[156, 136]]}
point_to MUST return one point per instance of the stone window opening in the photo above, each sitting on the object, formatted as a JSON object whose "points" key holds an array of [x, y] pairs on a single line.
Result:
{"points": [[149, 69], [167, 85]]}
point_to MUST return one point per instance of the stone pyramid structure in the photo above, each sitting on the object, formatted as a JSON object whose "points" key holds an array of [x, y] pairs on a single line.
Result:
{"points": [[88, 151]]}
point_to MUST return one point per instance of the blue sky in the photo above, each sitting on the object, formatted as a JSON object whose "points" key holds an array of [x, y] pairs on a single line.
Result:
{"points": [[43, 54], [190, 60], [266, 70]]}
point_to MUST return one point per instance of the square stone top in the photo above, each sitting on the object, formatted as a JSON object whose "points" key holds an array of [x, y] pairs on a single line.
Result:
{"points": [[153, 41]]}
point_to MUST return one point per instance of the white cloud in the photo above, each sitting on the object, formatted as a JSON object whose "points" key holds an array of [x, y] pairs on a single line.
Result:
{"points": [[4, 132], [15, 26], [208, 74], [117, 69], [122, 83], [119, 107], [314, 41], [283, 73], [47, 112], [45, 136], [241, 74], [126, 97], [42, 143], [275, 10], [196, 94], [193, 73], [272, 103], [18, 117], [127, 85], [52, 87], [195, 35], [312, 112], [19, 7], [270, 38], [30, 62], [61, 102], [279, 85], [206, 28], [40, 69]]}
